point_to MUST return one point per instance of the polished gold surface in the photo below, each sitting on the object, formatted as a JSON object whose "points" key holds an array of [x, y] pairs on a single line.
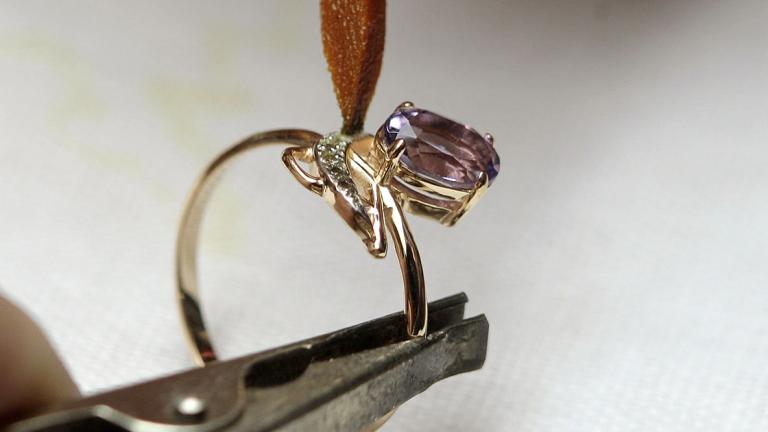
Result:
{"points": [[189, 232], [363, 181], [380, 213]]}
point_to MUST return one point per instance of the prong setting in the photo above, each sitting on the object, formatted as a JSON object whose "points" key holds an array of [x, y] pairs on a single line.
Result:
{"points": [[488, 137], [392, 157], [445, 187]]}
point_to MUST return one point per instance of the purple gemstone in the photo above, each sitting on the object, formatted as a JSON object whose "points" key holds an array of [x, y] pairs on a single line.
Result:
{"points": [[442, 150]]}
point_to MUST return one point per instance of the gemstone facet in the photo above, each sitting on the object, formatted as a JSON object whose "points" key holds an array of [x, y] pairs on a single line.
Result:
{"points": [[441, 150]]}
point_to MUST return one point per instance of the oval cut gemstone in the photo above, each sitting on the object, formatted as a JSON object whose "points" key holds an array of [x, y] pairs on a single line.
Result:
{"points": [[441, 150]]}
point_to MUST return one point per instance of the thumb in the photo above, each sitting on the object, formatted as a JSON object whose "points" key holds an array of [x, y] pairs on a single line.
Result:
{"points": [[31, 375]]}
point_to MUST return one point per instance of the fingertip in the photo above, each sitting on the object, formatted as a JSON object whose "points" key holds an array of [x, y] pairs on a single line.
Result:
{"points": [[31, 375]]}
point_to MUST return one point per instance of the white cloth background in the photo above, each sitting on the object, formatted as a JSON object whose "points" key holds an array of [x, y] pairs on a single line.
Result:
{"points": [[620, 256]]}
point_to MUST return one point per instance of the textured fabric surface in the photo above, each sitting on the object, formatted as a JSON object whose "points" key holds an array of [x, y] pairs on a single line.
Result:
{"points": [[620, 255]]}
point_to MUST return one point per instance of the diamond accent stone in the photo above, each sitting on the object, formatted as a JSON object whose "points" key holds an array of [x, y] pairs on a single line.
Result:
{"points": [[330, 154]]}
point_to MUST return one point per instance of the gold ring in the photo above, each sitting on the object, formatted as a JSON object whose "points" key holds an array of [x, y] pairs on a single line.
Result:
{"points": [[417, 161]]}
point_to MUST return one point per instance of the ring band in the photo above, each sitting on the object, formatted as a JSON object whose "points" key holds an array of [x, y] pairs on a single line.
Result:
{"points": [[369, 186], [189, 232]]}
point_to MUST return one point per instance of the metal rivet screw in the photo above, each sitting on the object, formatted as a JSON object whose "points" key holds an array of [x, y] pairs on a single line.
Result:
{"points": [[191, 406]]}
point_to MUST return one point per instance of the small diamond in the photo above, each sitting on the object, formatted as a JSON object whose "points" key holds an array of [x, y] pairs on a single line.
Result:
{"points": [[346, 184]]}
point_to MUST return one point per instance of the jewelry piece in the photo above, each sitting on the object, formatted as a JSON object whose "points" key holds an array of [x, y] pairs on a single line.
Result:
{"points": [[417, 161]]}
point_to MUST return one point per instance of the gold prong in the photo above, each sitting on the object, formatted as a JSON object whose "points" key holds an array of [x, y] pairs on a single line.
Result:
{"points": [[396, 150], [392, 158], [488, 137], [406, 105], [378, 140], [468, 202]]}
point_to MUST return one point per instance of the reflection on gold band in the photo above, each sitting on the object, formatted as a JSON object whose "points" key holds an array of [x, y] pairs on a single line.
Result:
{"points": [[189, 232]]}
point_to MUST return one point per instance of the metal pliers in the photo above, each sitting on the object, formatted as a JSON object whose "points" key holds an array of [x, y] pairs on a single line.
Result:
{"points": [[347, 380]]}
